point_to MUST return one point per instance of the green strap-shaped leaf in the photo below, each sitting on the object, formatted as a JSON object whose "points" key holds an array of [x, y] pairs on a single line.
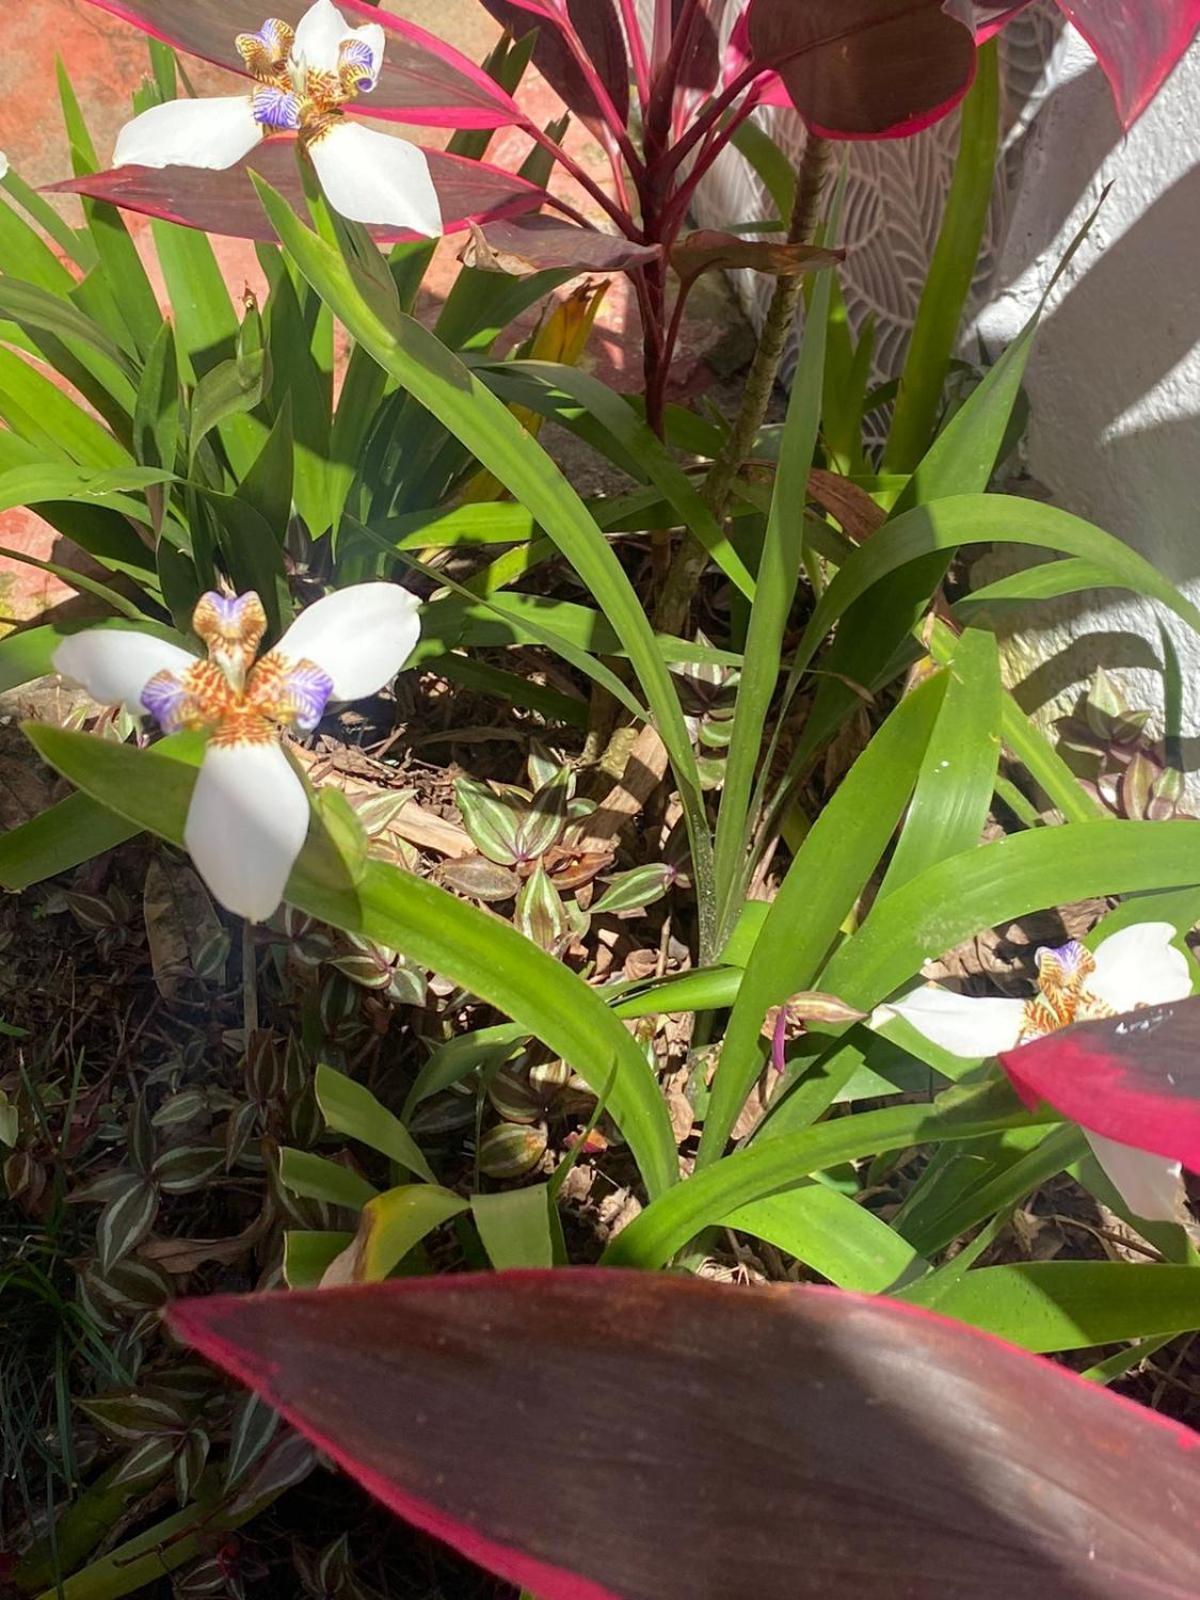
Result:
{"points": [[958, 774], [778, 574], [352, 1109], [1071, 1305], [824, 880], [515, 1227], [713, 1193]]}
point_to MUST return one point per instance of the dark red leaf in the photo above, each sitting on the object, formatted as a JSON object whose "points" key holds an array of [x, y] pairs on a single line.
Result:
{"points": [[865, 69], [225, 202], [1134, 1078], [533, 244], [594, 1434], [423, 80], [1136, 42], [700, 62], [989, 19], [598, 30]]}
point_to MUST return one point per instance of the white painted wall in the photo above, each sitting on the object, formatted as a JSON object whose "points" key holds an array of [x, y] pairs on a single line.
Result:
{"points": [[1114, 379]]}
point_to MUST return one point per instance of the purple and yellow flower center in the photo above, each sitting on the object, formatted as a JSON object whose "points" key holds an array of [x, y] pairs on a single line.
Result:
{"points": [[231, 695], [293, 95], [1063, 996]]}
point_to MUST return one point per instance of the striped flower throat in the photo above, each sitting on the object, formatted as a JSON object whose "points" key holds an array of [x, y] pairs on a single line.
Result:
{"points": [[298, 96], [235, 697], [1063, 995]]}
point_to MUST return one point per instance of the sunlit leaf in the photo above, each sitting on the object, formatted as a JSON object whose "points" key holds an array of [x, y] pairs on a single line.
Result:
{"points": [[1029, 1481]]}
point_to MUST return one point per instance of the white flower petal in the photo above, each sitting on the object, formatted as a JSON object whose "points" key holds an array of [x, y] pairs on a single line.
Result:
{"points": [[966, 1025], [1139, 966], [360, 636], [319, 35], [375, 177], [212, 133], [246, 825], [1150, 1185], [114, 665]]}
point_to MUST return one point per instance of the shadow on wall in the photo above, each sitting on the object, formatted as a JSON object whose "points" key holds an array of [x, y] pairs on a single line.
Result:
{"points": [[1114, 380], [1135, 316]]}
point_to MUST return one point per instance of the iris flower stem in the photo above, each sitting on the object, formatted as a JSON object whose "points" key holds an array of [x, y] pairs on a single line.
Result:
{"points": [[249, 982]]}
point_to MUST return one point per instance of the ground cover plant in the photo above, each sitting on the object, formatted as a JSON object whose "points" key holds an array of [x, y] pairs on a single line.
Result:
{"points": [[620, 969]]}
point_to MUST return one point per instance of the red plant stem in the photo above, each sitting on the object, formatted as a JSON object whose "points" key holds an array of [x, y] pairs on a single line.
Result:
{"points": [[711, 115], [622, 218], [637, 51], [708, 153]]}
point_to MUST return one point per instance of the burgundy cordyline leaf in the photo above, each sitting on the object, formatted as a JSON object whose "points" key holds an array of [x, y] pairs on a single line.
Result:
{"points": [[1134, 1078], [595, 1434], [225, 202], [700, 63], [865, 69], [423, 79], [989, 19], [599, 31]]}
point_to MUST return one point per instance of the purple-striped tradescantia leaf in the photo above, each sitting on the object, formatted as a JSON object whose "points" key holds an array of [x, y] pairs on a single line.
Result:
{"points": [[1134, 1078], [225, 202], [600, 1435], [423, 80], [584, 86]]}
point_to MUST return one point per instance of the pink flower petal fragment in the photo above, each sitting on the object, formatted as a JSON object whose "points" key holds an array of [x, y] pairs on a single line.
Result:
{"points": [[1134, 1079], [693, 1404]]}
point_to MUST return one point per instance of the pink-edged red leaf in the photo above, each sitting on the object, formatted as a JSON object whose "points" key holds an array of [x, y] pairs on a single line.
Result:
{"points": [[593, 1434], [865, 69], [989, 19], [1136, 42], [1134, 1078], [225, 202], [423, 80], [597, 28], [519, 245]]}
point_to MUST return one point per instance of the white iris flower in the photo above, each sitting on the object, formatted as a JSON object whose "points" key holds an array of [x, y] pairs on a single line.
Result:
{"points": [[305, 77], [1139, 966], [249, 810]]}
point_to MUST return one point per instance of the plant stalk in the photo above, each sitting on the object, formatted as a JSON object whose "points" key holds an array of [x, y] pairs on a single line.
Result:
{"points": [[680, 585]]}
